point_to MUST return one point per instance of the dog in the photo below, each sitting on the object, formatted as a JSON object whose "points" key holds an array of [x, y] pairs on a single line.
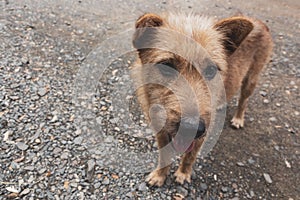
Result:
{"points": [[178, 56]]}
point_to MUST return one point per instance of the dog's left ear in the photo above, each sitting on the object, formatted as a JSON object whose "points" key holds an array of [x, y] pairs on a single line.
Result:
{"points": [[145, 29], [235, 30]]}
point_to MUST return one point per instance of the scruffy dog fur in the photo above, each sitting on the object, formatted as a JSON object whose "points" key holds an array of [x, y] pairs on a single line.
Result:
{"points": [[237, 47]]}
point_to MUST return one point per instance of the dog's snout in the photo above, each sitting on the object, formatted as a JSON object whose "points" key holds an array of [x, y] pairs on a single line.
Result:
{"points": [[192, 126]]}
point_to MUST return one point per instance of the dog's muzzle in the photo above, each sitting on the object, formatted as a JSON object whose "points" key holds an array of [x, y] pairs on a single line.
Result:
{"points": [[192, 127], [188, 131]]}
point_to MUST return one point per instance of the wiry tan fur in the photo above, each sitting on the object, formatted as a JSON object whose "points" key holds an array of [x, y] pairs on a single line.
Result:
{"points": [[239, 46]]}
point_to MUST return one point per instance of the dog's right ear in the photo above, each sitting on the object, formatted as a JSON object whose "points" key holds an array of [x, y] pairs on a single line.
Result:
{"points": [[145, 29]]}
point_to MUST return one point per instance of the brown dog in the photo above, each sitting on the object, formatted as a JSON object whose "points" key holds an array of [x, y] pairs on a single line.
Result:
{"points": [[177, 51]]}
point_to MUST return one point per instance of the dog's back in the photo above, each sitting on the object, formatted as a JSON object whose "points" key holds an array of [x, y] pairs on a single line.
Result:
{"points": [[249, 58]]}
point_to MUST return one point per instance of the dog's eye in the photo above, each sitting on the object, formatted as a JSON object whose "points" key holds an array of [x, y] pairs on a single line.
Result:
{"points": [[210, 71], [167, 69]]}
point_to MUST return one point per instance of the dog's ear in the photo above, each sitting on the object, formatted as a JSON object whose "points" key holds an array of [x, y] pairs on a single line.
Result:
{"points": [[235, 30], [148, 20], [145, 29]]}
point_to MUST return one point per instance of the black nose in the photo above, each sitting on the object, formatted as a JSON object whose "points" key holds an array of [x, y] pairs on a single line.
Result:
{"points": [[193, 126]]}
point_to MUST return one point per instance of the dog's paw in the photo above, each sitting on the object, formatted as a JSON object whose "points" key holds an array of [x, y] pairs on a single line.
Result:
{"points": [[181, 177], [237, 122], [156, 178]]}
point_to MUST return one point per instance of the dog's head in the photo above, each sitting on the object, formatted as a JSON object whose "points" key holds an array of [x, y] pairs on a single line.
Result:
{"points": [[182, 62]]}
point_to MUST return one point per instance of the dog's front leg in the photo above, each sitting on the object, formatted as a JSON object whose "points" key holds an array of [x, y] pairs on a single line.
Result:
{"points": [[184, 171], [158, 176]]}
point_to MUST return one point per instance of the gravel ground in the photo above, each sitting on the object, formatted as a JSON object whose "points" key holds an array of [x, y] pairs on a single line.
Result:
{"points": [[49, 151]]}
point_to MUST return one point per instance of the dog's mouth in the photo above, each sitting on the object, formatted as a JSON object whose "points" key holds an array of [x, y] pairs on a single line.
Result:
{"points": [[181, 144], [188, 132], [183, 147]]}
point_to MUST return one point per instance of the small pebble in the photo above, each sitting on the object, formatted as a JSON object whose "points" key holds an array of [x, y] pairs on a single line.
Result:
{"points": [[74, 184], [224, 189], [263, 93], [215, 177], [54, 119], [203, 186], [64, 155], [277, 148], [278, 104], [272, 119], [288, 164], [181, 190], [42, 92], [25, 191], [251, 161], [91, 165], [22, 146], [252, 193], [29, 168], [105, 181], [129, 195], [267, 178], [42, 170], [80, 31], [78, 140], [266, 101], [234, 186], [12, 189], [56, 150], [37, 141], [14, 97], [143, 187]]}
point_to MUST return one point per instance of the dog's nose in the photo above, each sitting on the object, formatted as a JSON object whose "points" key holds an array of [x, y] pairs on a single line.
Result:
{"points": [[192, 126]]}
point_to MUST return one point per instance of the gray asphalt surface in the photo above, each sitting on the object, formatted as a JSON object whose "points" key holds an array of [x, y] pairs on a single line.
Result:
{"points": [[49, 149]]}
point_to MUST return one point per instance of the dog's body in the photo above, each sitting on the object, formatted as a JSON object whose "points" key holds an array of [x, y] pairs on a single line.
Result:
{"points": [[236, 47]]}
